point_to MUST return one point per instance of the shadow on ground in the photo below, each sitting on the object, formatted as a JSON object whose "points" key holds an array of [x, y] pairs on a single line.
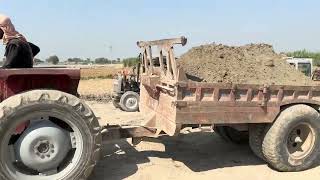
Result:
{"points": [[198, 151]]}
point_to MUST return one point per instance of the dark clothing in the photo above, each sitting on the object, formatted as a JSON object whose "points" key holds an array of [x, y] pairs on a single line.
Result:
{"points": [[35, 49], [18, 55]]}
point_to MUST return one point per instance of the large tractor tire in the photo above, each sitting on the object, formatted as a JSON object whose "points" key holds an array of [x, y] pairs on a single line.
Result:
{"points": [[129, 101], [256, 136], [292, 143], [230, 134], [47, 134]]}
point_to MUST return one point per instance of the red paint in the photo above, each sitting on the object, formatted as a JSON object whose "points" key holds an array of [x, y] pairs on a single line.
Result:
{"points": [[21, 127], [14, 81]]}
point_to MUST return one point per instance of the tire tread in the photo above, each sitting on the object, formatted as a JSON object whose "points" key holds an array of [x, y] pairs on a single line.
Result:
{"points": [[14, 103]]}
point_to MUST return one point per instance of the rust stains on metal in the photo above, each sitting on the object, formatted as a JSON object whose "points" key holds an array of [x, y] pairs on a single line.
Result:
{"points": [[174, 100]]}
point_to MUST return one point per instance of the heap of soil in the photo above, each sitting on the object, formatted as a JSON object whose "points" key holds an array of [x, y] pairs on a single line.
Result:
{"points": [[248, 64]]}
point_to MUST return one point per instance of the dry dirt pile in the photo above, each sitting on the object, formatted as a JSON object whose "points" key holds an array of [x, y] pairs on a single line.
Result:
{"points": [[251, 64]]}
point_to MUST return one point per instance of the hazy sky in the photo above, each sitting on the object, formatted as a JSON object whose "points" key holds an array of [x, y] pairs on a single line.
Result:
{"points": [[83, 28]]}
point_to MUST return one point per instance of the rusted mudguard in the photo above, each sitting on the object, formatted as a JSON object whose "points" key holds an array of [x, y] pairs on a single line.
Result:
{"points": [[14, 81]]}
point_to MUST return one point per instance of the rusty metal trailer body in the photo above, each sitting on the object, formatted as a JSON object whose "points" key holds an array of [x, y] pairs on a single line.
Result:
{"points": [[171, 101]]}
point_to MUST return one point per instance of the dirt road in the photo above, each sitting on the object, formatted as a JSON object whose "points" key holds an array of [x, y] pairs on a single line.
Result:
{"points": [[200, 155]]}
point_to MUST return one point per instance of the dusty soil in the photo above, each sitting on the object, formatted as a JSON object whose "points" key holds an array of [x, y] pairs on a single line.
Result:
{"points": [[96, 89], [95, 86], [100, 72], [251, 64], [197, 155], [108, 114]]}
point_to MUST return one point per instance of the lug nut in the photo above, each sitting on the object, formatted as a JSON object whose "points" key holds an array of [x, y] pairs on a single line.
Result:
{"points": [[298, 140]]}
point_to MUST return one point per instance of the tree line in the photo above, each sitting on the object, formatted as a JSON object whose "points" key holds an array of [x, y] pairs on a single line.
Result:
{"points": [[127, 62], [55, 60], [306, 54]]}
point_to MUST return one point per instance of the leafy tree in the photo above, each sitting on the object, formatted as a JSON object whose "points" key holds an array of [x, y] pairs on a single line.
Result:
{"points": [[53, 59], [75, 60], [88, 60], [129, 62], [102, 61], [306, 54]]}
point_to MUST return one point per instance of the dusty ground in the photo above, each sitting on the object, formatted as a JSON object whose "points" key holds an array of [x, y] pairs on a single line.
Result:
{"points": [[200, 155], [102, 72], [95, 86], [250, 64], [108, 114]]}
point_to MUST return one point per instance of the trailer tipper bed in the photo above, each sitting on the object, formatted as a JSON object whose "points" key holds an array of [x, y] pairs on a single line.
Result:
{"points": [[282, 120]]}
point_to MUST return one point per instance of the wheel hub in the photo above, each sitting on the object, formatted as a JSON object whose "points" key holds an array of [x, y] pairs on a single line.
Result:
{"points": [[300, 141], [131, 102], [43, 146], [44, 149]]}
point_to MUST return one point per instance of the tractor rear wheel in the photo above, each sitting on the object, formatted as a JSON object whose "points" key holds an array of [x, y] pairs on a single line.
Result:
{"points": [[293, 143], [47, 134]]}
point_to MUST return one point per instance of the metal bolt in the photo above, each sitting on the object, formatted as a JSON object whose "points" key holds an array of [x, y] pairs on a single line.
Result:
{"points": [[298, 140]]}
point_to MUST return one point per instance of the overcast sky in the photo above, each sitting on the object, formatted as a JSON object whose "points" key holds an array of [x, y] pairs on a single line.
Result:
{"points": [[83, 28]]}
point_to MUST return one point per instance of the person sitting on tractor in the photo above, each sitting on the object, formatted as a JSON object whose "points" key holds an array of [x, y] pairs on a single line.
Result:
{"points": [[19, 53]]}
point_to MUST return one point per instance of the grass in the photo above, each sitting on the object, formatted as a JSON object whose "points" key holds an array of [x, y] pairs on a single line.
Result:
{"points": [[109, 76]]}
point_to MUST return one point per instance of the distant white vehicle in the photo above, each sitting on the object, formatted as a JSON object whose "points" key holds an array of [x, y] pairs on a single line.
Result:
{"points": [[302, 64]]}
